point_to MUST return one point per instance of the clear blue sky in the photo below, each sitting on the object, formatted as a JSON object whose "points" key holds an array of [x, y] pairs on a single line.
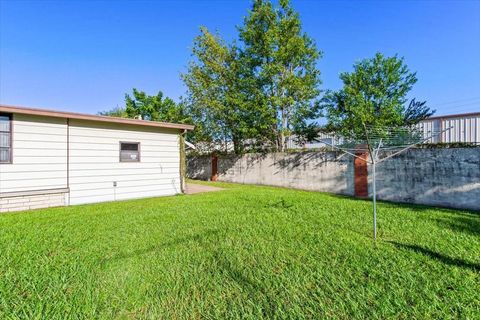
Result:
{"points": [[85, 55]]}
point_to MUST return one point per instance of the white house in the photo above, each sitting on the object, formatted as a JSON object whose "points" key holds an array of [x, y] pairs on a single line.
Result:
{"points": [[51, 158]]}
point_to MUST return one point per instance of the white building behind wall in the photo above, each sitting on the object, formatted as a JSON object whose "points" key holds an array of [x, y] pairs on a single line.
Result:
{"points": [[464, 128], [50, 158]]}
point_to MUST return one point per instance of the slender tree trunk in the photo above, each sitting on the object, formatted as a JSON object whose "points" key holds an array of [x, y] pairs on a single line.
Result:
{"points": [[237, 144], [280, 133], [283, 138], [280, 141], [236, 147]]}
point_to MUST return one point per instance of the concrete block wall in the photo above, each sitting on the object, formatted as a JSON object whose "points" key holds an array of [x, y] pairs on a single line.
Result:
{"points": [[19, 203], [199, 167], [316, 171], [439, 177]]}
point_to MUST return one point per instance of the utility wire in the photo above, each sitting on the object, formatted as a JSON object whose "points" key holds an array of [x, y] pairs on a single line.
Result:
{"points": [[457, 101]]}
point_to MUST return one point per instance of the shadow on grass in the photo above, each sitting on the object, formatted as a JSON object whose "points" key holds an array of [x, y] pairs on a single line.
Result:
{"points": [[255, 290], [438, 256], [201, 237], [463, 223], [411, 206]]}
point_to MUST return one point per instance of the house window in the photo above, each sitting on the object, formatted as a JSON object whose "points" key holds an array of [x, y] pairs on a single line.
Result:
{"points": [[5, 138], [129, 151]]}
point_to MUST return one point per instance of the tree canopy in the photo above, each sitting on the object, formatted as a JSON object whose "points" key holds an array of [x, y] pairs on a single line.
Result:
{"points": [[216, 97], [118, 112], [283, 60], [374, 98], [154, 108], [260, 89], [263, 88]]}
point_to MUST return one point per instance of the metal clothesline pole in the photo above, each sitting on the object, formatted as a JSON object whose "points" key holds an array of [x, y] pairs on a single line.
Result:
{"points": [[374, 202], [374, 162], [374, 182]]}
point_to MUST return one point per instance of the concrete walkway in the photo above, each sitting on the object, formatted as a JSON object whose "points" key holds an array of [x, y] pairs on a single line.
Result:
{"points": [[192, 188]]}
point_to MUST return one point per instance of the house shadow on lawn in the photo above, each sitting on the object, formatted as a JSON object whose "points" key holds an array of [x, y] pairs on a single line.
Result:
{"points": [[437, 256]]}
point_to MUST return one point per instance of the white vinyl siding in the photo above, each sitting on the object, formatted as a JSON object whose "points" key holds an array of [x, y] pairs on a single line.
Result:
{"points": [[95, 162], [463, 129], [430, 128], [39, 159]]}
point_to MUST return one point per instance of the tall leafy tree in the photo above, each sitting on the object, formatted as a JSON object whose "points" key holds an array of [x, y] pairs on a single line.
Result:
{"points": [[216, 95], [283, 60], [261, 90], [374, 99]]}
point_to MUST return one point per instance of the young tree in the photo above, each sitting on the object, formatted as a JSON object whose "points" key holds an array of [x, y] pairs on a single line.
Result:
{"points": [[216, 96], [373, 98], [283, 61]]}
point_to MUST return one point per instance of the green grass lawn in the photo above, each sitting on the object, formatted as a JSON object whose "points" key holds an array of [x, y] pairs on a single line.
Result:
{"points": [[245, 252]]}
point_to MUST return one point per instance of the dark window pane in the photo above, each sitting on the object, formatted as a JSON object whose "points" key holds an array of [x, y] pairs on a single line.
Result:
{"points": [[4, 139], [4, 123], [129, 152], [4, 155], [129, 147]]}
